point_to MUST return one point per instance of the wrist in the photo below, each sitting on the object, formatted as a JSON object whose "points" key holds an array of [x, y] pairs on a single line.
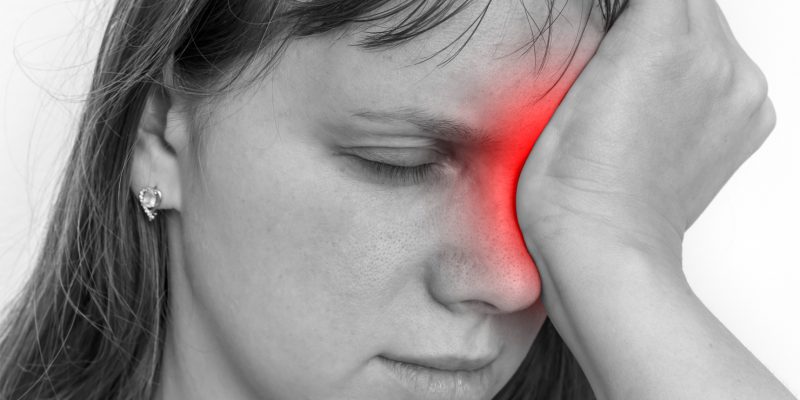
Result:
{"points": [[607, 274], [599, 247], [617, 311]]}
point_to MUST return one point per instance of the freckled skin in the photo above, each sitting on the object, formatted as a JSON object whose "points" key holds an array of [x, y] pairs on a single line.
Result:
{"points": [[298, 268]]}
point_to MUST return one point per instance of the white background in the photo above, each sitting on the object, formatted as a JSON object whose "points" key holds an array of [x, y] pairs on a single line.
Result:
{"points": [[742, 257]]}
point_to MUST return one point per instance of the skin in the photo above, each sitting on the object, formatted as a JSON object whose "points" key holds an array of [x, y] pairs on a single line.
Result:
{"points": [[291, 258], [622, 170], [292, 268]]}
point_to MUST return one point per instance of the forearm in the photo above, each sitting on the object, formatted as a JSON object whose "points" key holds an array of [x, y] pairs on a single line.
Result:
{"points": [[639, 332]]}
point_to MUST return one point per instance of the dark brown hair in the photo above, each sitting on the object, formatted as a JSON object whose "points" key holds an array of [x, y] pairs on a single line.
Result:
{"points": [[91, 320]]}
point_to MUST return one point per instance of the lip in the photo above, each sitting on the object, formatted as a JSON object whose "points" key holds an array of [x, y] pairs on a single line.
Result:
{"points": [[450, 363], [442, 377]]}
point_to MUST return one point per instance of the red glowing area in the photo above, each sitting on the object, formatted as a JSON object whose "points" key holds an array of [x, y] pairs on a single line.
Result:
{"points": [[499, 162]]}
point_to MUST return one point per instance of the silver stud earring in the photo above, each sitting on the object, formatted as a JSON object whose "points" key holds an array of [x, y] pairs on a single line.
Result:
{"points": [[150, 198]]}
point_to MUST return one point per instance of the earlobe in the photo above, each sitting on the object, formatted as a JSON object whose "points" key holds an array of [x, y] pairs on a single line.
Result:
{"points": [[155, 162]]}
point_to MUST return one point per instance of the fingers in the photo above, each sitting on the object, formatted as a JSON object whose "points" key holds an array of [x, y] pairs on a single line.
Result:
{"points": [[665, 17], [723, 23], [672, 17], [705, 16], [761, 125]]}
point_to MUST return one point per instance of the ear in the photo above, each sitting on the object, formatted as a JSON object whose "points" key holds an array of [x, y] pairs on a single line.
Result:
{"points": [[155, 159]]}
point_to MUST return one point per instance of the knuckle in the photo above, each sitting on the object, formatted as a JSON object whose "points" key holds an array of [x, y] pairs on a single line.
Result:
{"points": [[756, 83], [718, 69], [725, 73], [769, 116], [752, 85], [734, 76], [762, 126]]}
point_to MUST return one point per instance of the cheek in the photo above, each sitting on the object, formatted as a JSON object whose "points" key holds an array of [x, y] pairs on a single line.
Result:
{"points": [[278, 230], [288, 262], [283, 231]]}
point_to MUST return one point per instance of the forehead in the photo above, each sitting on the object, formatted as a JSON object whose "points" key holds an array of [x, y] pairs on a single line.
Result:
{"points": [[515, 54]]}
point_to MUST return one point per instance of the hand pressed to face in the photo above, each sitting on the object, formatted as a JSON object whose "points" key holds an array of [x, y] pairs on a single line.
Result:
{"points": [[357, 206], [680, 108], [662, 116]]}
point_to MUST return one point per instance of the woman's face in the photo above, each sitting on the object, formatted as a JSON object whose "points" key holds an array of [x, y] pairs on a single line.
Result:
{"points": [[355, 209]]}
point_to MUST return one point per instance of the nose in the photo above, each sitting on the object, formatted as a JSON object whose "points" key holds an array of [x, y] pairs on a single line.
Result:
{"points": [[485, 264]]}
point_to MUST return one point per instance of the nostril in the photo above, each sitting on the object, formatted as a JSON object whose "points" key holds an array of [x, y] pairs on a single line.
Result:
{"points": [[483, 278], [479, 306]]}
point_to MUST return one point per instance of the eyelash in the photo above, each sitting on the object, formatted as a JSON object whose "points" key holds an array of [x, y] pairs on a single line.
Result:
{"points": [[397, 174]]}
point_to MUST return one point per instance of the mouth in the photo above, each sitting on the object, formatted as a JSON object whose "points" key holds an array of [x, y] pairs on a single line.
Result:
{"points": [[444, 377]]}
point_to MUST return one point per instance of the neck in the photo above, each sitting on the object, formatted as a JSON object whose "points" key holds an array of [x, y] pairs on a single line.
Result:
{"points": [[193, 364]]}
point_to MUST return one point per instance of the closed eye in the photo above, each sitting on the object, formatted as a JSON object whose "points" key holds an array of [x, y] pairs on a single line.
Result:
{"points": [[397, 174]]}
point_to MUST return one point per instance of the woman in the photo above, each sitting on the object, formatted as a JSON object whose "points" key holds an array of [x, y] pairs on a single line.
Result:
{"points": [[341, 200]]}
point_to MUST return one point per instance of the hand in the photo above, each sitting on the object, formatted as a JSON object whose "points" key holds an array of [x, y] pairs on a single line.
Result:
{"points": [[661, 117], [664, 113]]}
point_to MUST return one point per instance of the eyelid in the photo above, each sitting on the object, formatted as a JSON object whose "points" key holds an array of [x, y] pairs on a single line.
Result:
{"points": [[398, 156], [397, 175], [398, 166]]}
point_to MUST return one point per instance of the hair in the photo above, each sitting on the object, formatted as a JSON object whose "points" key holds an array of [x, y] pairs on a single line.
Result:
{"points": [[91, 320]]}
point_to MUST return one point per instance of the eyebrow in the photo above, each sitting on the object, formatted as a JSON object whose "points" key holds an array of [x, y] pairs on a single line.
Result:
{"points": [[437, 126]]}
